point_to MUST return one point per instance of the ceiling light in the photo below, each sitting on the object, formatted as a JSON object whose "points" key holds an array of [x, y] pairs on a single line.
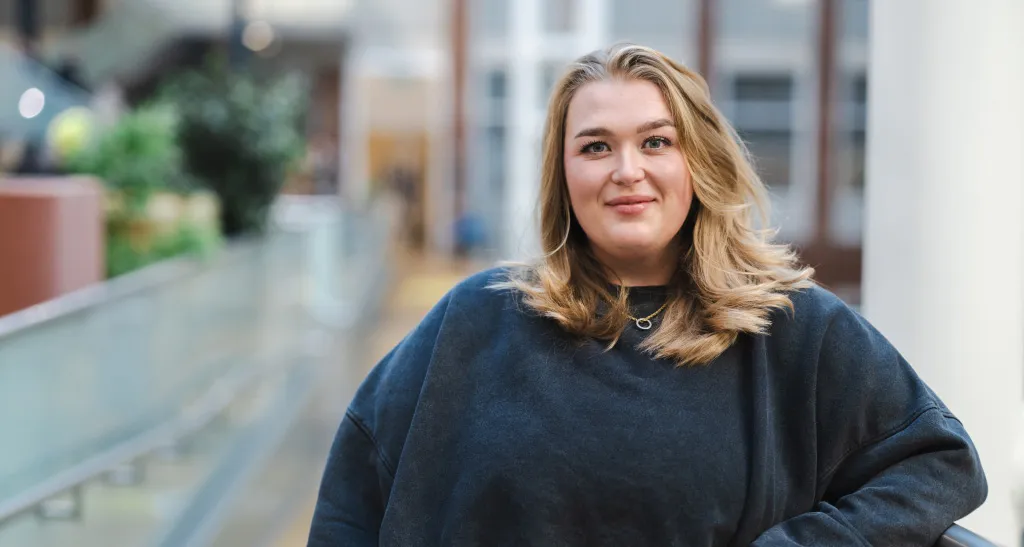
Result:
{"points": [[31, 103], [258, 35]]}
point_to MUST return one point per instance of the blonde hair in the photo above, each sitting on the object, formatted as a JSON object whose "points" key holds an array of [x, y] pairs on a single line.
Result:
{"points": [[730, 277]]}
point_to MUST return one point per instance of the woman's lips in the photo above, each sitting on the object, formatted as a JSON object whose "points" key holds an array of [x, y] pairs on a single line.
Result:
{"points": [[632, 205]]}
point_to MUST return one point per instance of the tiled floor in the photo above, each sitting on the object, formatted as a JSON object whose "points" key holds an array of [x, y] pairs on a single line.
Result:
{"points": [[418, 284]]}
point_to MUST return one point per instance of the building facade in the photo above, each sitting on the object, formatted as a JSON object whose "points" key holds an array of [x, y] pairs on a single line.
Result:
{"points": [[765, 72]]}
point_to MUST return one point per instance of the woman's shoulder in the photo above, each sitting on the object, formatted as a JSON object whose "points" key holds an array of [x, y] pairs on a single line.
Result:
{"points": [[824, 330], [815, 299], [815, 309], [484, 290], [461, 318], [481, 282]]}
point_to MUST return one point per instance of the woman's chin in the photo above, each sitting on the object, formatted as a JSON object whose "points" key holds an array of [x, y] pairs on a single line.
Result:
{"points": [[634, 246]]}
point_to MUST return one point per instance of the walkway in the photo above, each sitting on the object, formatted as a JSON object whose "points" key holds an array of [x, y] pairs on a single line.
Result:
{"points": [[420, 282]]}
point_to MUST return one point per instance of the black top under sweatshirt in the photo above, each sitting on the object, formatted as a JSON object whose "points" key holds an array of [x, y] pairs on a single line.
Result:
{"points": [[491, 426]]}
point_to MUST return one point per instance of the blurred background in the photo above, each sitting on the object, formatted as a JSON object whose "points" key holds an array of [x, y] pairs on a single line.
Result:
{"points": [[216, 215]]}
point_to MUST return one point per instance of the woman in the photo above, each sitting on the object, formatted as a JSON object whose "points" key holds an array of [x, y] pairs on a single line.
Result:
{"points": [[663, 376]]}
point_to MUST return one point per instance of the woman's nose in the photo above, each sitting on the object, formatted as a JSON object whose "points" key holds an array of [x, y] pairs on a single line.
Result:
{"points": [[629, 169]]}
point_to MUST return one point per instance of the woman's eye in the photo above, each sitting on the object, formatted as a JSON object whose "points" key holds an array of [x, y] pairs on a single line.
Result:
{"points": [[595, 148], [657, 143]]}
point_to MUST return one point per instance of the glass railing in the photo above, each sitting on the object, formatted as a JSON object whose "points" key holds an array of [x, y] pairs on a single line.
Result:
{"points": [[129, 412]]}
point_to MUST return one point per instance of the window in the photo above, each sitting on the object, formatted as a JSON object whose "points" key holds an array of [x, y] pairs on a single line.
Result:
{"points": [[490, 195], [771, 151], [764, 88], [858, 152], [495, 91], [858, 133], [495, 137], [860, 89], [763, 118], [496, 84]]}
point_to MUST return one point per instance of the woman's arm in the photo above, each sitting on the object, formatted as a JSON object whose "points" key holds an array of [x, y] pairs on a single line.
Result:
{"points": [[895, 466], [360, 470], [350, 506], [903, 490]]}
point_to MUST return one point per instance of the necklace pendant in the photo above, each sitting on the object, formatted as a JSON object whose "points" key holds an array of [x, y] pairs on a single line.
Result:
{"points": [[644, 324]]}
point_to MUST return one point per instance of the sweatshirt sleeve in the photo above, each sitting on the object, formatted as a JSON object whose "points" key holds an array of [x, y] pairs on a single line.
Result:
{"points": [[350, 505], [360, 469], [895, 466]]}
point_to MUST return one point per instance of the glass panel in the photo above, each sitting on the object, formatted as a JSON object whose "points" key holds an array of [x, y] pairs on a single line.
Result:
{"points": [[851, 132], [858, 153], [768, 87], [771, 151], [762, 114], [497, 84], [490, 205], [233, 331], [763, 102], [115, 371]]}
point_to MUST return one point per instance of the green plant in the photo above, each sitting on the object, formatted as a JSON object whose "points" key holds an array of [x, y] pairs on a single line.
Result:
{"points": [[139, 160], [126, 254], [136, 156], [240, 134]]}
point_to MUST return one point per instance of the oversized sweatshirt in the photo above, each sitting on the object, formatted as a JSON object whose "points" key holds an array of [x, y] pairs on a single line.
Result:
{"points": [[489, 425]]}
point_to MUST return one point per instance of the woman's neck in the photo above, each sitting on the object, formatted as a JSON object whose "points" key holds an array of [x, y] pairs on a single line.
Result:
{"points": [[641, 271]]}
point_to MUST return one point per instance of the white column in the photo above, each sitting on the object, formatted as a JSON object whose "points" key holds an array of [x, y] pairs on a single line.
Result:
{"points": [[943, 247], [354, 144], [591, 25], [523, 147]]}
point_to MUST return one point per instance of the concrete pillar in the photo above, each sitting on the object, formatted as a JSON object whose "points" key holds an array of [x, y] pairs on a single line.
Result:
{"points": [[943, 244], [524, 130]]}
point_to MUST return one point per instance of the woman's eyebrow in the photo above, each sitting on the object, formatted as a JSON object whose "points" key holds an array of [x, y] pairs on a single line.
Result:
{"points": [[651, 126], [643, 128], [594, 132]]}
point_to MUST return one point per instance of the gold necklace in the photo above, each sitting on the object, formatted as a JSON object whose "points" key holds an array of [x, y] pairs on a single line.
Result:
{"points": [[644, 323]]}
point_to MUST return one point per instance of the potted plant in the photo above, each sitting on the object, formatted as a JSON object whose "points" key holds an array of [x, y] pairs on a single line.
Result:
{"points": [[240, 135], [153, 210]]}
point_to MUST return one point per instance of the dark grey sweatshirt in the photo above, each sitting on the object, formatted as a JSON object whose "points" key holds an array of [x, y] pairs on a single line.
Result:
{"points": [[490, 426]]}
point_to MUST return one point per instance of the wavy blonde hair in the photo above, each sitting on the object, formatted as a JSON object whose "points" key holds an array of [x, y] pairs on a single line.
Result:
{"points": [[730, 277]]}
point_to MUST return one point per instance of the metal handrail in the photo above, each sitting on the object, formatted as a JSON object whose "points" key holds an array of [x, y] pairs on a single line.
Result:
{"points": [[958, 536], [146, 279]]}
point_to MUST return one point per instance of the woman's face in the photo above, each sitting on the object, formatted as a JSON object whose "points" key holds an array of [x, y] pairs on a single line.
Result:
{"points": [[628, 181]]}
